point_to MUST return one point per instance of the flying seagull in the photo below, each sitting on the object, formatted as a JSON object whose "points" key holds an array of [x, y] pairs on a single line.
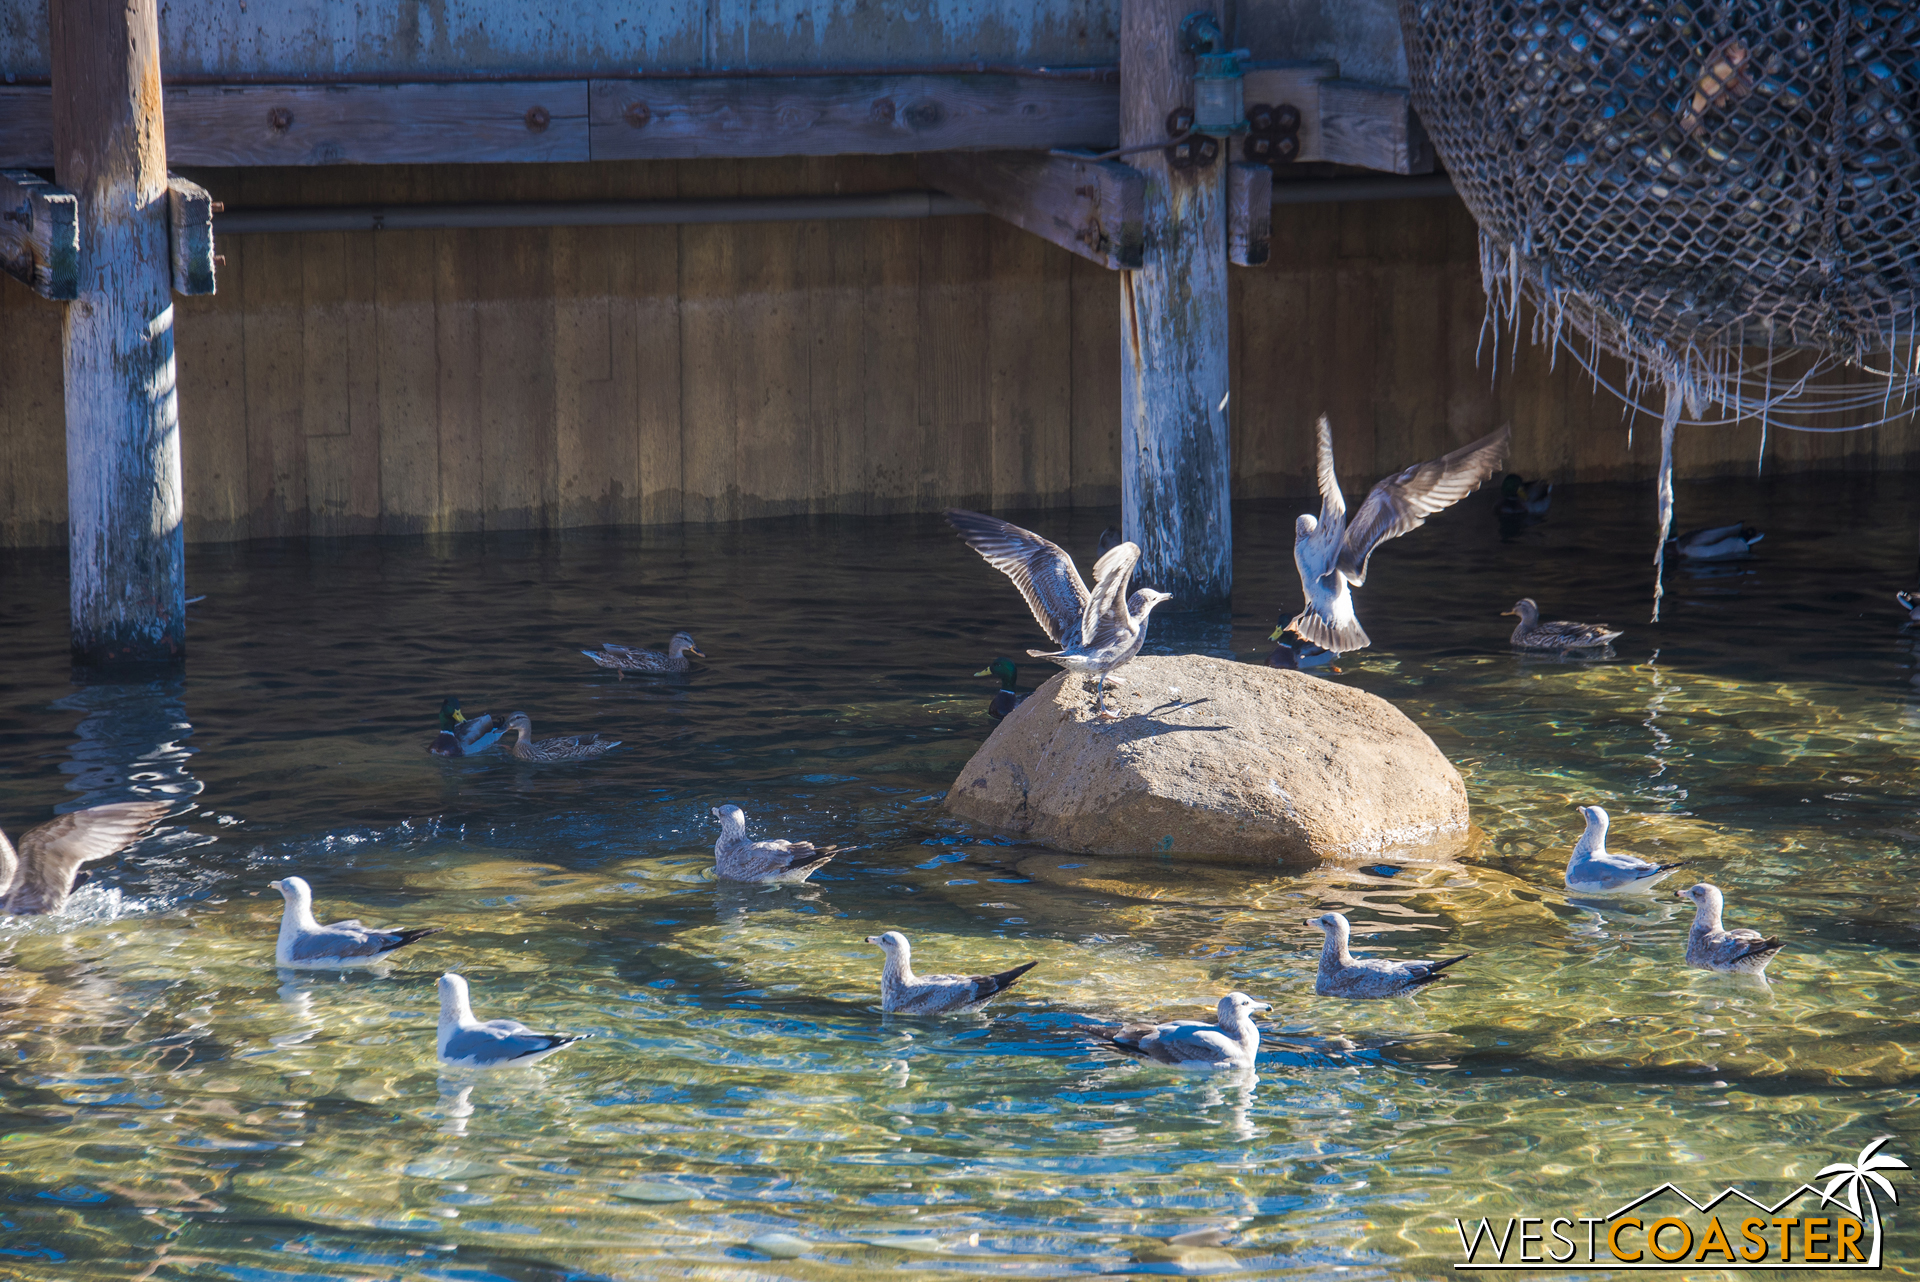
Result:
{"points": [[305, 944], [39, 876], [1332, 552], [1592, 869], [736, 857], [1363, 978], [497, 1043], [1096, 631], [1710, 946], [1231, 1041], [905, 993]]}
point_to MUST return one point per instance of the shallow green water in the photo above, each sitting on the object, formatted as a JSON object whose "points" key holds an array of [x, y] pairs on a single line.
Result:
{"points": [[175, 1107]]}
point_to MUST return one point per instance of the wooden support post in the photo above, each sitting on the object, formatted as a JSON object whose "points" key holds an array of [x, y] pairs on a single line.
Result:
{"points": [[1174, 459], [125, 549], [1249, 214], [1089, 207]]}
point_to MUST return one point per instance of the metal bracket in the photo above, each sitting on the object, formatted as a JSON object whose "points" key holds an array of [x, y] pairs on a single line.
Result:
{"points": [[1273, 134]]}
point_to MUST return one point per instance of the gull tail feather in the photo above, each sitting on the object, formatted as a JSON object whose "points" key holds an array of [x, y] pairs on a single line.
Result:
{"points": [[1771, 944], [819, 859], [406, 937], [991, 984], [1434, 969], [1338, 638]]}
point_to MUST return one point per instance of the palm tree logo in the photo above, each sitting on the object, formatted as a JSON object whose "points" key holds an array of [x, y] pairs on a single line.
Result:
{"points": [[1863, 1175]]}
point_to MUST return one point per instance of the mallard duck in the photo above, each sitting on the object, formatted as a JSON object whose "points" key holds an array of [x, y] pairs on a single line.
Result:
{"points": [[622, 660], [1524, 498], [1718, 543], [1109, 540], [1332, 553], [45, 870], [1295, 652], [1910, 602], [1096, 631], [1531, 634], [1710, 946], [1008, 697], [576, 748], [461, 736]]}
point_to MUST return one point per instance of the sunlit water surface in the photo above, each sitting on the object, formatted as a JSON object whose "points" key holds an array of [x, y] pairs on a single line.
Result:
{"points": [[175, 1107]]}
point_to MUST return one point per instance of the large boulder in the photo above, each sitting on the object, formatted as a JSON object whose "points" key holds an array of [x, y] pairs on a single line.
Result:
{"points": [[1215, 761]]}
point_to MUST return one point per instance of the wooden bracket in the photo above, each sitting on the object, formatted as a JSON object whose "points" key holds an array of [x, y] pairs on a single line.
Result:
{"points": [[1346, 122], [190, 235], [40, 234], [1249, 214], [1094, 208]]}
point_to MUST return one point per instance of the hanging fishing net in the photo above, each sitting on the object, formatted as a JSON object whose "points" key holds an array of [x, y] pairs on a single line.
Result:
{"points": [[1726, 197]]}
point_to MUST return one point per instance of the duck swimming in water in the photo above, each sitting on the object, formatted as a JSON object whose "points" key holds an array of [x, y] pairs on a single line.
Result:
{"points": [[462, 736], [1331, 553], [1910, 602], [1009, 695], [1531, 634], [622, 660], [1716, 543], [1294, 652], [1524, 498], [573, 748]]}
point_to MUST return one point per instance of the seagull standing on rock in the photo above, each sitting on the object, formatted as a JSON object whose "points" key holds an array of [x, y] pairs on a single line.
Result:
{"points": [[904, 993], [305, 944], [1593, 870], [1364, 978], [1332, 553], [1096, 631], [1710, 946], [39, 876], [497, 1043], [1231, 1041], [737, 857]]}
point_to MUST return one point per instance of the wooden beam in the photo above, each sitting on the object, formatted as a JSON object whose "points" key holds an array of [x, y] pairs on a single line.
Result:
{"points": [[125, 542], [1373, 126], [1174, 442], [1088, 207], [190, 236], [26, 126], [39, 234], [1287, 84], [1249, 214], [825, 116]]}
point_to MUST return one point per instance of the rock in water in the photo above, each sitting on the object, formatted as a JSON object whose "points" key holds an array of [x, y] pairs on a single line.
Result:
{"points": [[1217, 761]]}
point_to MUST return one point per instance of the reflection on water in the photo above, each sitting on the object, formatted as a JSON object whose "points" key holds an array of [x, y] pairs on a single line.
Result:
{"points": [[177, 1107]]}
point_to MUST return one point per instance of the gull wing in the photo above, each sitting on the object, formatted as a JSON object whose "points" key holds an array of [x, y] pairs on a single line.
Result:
{"points": [[1111, 574], [1403, 501], [1042, 570], [500, 1041], [1190, 1043], [1333, 504], [51, 854]]}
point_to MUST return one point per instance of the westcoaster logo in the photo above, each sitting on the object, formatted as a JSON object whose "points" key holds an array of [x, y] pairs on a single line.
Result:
{"points": [[1778, 1238]]}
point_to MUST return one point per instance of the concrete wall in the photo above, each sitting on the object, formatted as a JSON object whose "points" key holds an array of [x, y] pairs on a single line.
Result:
{"points": [[424, 381]]}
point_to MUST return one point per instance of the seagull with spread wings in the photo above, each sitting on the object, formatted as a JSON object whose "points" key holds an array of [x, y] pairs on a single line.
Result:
{"points": [[1096, 631], [1332, 552], [39, 876]]}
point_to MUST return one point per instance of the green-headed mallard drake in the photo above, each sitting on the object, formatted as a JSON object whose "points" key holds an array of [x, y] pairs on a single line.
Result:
{"points": [[460, 735], [1524, 498], [1294, 652], [1716, 543], [574, 748], [1531, 634], [1008, 697], [622, 660]]}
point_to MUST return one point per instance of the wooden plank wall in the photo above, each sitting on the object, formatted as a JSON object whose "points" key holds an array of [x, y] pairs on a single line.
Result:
{"points": [[399, 382]]}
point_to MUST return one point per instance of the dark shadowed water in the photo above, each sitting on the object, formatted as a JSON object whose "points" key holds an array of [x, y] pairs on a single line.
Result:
{"points": [[174, 1107]]}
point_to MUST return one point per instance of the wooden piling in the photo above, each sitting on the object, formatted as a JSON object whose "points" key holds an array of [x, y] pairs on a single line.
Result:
{"points": [[1174, 455], [125, 542]]}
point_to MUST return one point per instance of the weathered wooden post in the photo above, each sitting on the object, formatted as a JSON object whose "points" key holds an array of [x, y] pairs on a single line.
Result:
{"points": [[1174, 468], [124, 537]]}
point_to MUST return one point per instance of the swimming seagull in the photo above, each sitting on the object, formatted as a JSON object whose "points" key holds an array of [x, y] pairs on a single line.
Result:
{"points": [[305, 944], [1096, 631], [1332, 553], [1362, 978], [497, 1043], [1594, 870], [904, 993], [736, 857], [1231, 1041], [1712, 947], [39, 876]]}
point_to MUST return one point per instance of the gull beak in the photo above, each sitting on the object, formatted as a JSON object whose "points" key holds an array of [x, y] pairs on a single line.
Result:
{"points": [[984, 672], [1264, 1006], [275, 885], [1311, 921], [873, 939]]}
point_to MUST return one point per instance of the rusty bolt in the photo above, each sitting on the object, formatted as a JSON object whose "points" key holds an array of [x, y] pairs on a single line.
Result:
{"points": [[281, 118], [1260, 118], [1286, 118], [1179, 121], [638, 114], [219, 260], [1206, 150], [219, 206], [538, 118]]}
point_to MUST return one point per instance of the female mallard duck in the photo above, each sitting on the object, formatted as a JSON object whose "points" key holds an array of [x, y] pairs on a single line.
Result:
{"points": [[1531, 634], [576, 748], [1717, 543], [1524, 498], [1296, 652], [1008, 697], [1910, 602], [461, 736], [622, 660]]}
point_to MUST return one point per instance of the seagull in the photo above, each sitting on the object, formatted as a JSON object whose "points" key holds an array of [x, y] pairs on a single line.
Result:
{"points": [[1232, 1041], [904, 993], [305, 944], [1593, 870], [1096, 631], [498, 1043], [1332, 553], [736, 858], [1362, 978], [45, 870], [1710, 946]]}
